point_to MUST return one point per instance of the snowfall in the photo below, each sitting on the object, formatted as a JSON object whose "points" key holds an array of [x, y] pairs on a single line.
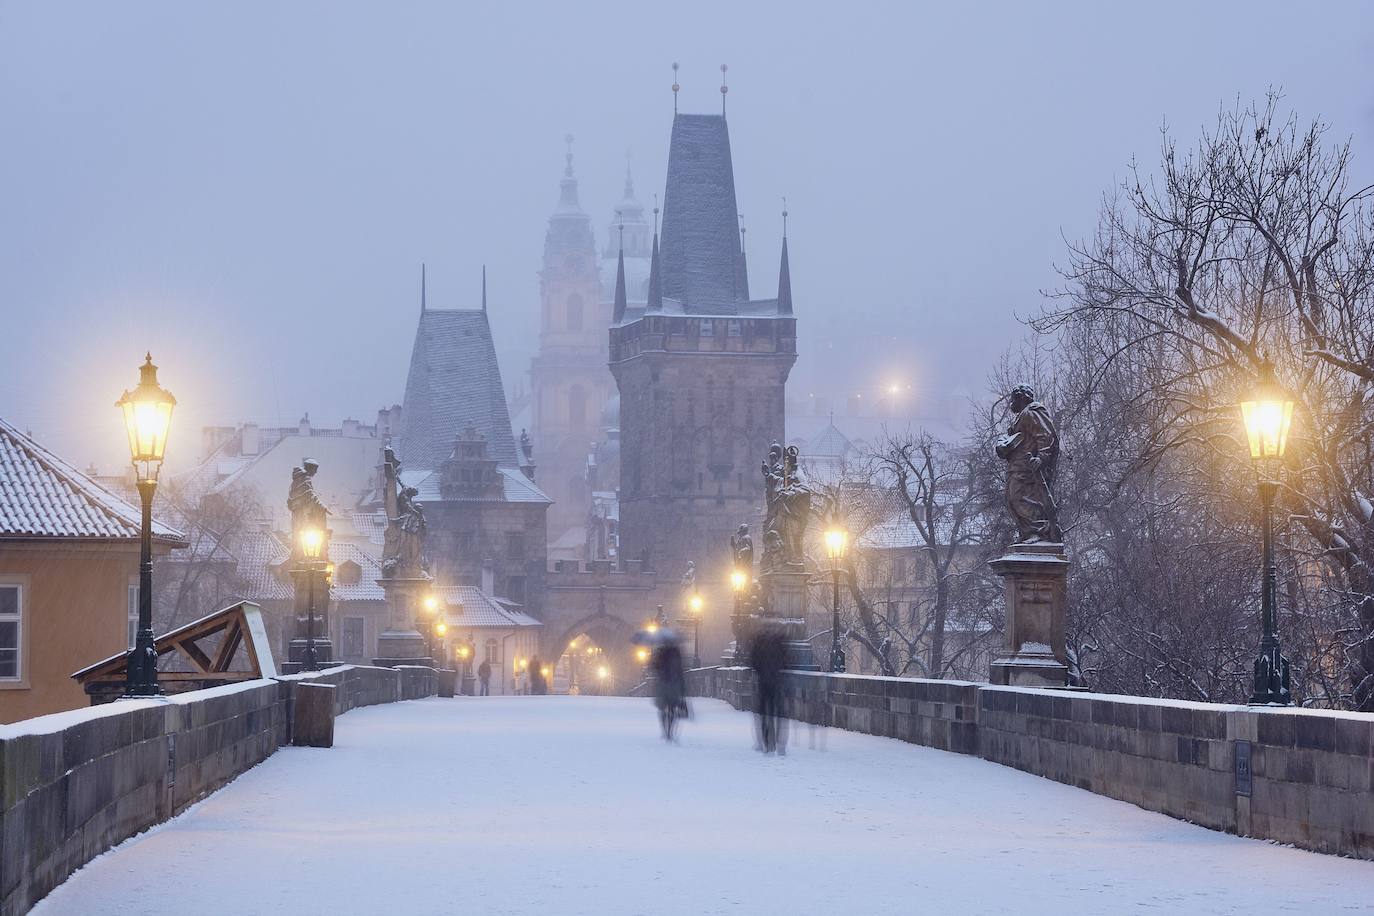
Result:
{"points": [[572, 805]]}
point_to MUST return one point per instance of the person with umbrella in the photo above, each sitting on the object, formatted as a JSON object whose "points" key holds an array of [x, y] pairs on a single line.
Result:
{"points": [[668, 671]]}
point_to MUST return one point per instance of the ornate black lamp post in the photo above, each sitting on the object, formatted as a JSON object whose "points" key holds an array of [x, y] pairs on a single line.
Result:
{"points": [[312, 545], [431, 606], [1268, 416], [836, 544], [695, 604], [147, 417]]}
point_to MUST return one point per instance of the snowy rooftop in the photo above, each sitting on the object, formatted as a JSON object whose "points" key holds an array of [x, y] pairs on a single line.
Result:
{"points": [[516, 487], [41, 496]]}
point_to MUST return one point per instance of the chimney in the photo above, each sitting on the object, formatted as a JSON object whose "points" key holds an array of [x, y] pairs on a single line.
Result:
{"points": [[488, 577], [249, 439]]}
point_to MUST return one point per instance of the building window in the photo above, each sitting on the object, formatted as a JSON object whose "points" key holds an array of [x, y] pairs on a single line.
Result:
{"points": [[574, 312], [11, 632], [515, 546], [515, 589], [351, 637], [708, 328], [577, 407], [732, 328], [899, 568], [133, 613], [493, 653]]}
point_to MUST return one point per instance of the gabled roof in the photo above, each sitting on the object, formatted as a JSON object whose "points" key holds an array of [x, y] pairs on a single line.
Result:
{"points": [[41, 496], [454, 382], [467, 606]]}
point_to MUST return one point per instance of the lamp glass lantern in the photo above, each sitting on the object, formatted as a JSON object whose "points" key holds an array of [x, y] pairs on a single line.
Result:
{"points": [[836, 543], [1268, 419], [147, 419], [312, 543]]}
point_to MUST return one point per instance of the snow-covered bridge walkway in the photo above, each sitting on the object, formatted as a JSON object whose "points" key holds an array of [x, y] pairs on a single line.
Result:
{"points": [[571, 805]]}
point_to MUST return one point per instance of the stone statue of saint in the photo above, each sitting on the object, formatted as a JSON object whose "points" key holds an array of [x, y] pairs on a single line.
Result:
{"points": [[1031, 449], [742, 548], [788, 510], [689, 578], [403, 546], [305, 507]]}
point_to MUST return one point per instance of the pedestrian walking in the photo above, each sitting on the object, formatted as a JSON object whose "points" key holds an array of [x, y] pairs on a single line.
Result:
{"points": [[484, 677], [767, 656]]}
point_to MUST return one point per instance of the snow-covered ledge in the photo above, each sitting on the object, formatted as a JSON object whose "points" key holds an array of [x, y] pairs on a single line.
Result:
{"points": [[1298, 776], [74, 784]]}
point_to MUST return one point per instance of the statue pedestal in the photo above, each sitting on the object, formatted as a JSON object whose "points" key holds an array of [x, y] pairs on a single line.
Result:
{"points": [[1033, 656], [784, 591], [401, 643]]}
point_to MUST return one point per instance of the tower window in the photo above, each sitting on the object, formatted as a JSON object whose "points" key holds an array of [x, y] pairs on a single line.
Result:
{"points": [[574, 312], [732, 328], [708, 328]]}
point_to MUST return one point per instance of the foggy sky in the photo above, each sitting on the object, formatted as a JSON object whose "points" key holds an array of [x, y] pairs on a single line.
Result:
{"points": [[248, 189]]}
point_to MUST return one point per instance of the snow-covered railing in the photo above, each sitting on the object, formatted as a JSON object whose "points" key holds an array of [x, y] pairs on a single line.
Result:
{"points": [[1298, 776], [74, 784]]}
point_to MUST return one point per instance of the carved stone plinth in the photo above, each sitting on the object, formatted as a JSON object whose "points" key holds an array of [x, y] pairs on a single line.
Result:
{"points": [[785, 595], [1033, 656], [401, 643]]}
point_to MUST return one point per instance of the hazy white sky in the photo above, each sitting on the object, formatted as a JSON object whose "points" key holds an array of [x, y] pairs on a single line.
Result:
{"points": [[248, 189]]}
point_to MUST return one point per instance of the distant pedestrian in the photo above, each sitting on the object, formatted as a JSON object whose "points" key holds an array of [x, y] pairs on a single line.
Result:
{"points": [[539, 684], [484, 677], [670, 685], [767, 656]]}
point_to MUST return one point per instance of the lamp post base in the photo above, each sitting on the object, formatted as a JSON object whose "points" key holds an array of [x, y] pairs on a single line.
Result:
{"points": [[1272, 677]]}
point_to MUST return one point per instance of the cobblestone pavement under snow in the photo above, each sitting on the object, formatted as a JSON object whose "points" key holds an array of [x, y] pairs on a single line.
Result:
{"points": [[572, 805]]}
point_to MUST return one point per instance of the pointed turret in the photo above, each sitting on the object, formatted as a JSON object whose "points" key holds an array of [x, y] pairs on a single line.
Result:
{"points": [[567, 198], [784, 283], [741, 267], [619, 314], [655, 297]]}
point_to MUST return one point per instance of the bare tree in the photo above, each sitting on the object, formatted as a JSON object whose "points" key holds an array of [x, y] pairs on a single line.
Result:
{"points": [[1253, 250]]}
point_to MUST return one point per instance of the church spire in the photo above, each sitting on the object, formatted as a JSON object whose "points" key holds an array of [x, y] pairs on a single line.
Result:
{"points": [[567, 199], [620, 304], [422, 287], [784, 274]]}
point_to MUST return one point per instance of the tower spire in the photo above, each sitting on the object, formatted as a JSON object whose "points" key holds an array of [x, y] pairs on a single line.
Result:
{"points": [[484, 289], [741, 266], [422, 287], [629, 178], [784, 273], [723, 88], [676, 87], [620, 303]]}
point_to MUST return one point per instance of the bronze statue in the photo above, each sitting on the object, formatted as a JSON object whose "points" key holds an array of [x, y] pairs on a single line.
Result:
{"points": [[306, 509], [1031, 449], [742, 549]]}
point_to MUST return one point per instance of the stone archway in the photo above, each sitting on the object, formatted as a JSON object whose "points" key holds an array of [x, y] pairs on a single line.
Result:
{"points": [[612, 637]]}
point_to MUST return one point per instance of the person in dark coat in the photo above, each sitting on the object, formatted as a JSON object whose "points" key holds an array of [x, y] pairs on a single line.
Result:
{"points": [[539, 685], [484, 676], [767, 656], [670, 686]]}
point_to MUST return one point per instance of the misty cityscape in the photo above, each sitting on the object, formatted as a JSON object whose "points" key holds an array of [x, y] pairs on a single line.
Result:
{"points": [[647, 459]]}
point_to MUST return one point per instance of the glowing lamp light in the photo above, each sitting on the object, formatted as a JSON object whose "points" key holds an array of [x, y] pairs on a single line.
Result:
{"points": [[836, 543], [652, 627], [738, 579], [642, 655], [329, 573], [440, 628], [603, 672], [147, 418], [521, 664], [1268, 417], [695, 604], [546, 671], [463, 652], [431, 603], [312, 542]]}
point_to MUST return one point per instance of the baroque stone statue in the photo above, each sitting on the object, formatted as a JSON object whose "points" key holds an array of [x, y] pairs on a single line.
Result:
{"points": [[404, 544], [689, 578], [1030, 447], [304, 505], [788, 507]]}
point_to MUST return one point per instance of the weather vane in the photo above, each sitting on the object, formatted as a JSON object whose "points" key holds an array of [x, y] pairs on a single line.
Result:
{"points": [[723, 88], [676, 87]]}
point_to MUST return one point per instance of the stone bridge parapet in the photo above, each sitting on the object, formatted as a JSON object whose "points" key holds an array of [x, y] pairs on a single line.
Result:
{"points": [[1298, 776]]}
